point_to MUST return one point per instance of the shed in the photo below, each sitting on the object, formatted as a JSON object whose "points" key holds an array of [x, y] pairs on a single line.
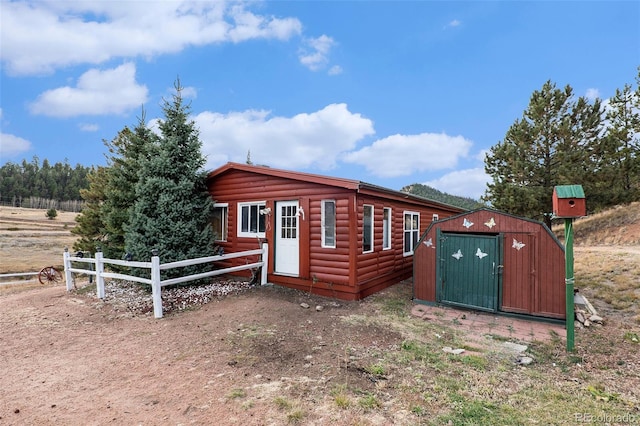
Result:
{"points": [[331, 236], [491, 261]]}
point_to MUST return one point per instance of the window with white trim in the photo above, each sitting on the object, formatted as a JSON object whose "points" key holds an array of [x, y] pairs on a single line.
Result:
{"points": [[435, 217], [219, 221], [367, 228], [411, 231], [328, 213], [251, 219], [386, 228]]}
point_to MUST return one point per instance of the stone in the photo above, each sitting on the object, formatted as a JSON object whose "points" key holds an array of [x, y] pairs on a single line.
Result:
{"points": [[450, 350], [304, 305], [580, 317], [524, 360], [319, 308], [596, 318], [515, 347]]}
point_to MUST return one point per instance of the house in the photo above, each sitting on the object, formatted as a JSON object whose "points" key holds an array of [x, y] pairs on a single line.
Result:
{"points": [[335, 237], [491, 261]]}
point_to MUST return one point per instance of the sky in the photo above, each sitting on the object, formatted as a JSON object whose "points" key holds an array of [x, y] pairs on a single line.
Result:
{"points": [[386, 92]]}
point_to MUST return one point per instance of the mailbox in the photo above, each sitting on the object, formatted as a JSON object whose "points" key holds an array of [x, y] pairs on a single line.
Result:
{"points": [[569, 201]]}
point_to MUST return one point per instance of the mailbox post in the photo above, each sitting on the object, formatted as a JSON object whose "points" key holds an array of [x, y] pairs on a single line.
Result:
{"points": [[569, 203]]}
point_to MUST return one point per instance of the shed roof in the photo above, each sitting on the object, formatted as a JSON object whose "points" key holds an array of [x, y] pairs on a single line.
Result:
{"points": [[350, 184], [569, 191]]}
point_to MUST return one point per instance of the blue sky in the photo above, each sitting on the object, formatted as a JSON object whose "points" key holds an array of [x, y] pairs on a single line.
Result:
{"points": [[387, 92]]}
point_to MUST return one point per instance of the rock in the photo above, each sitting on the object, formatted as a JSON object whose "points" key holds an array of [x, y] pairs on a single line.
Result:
{"points": [[515, 347], [524, 360], [587, 323], [319, 308], [449, 350], [304, 305], [596, 318], [580, 317]]}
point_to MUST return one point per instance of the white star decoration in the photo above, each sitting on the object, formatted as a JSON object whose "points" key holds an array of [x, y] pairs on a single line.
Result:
{"points": [[428, 243], [457, 254], [480, 254], [466, 223], [517, 244]]}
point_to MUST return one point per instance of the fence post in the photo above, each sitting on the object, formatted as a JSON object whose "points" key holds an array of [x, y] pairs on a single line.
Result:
{"points": [[156, 289], [67, 266], [99, 271], [265, 265]]}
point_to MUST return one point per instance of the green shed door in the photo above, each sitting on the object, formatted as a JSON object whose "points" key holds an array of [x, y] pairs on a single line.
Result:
{"points": [[469, 270]]}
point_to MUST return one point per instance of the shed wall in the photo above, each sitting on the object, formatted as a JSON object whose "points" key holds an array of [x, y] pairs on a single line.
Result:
{"points": [[533, 262]]}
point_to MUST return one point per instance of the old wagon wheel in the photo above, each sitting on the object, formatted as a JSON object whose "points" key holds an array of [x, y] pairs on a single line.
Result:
{"points": [[49, 275]]}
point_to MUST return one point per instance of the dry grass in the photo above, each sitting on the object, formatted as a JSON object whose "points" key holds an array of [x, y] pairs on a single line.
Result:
{"points": [[29, 241]]}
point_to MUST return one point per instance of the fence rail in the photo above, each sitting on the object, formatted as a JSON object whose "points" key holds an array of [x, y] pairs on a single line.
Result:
{"points": [[19, 274], [155, 268]]}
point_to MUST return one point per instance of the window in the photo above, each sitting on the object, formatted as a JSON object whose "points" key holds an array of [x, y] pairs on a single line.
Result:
{"points": [[328, 223], [411, 230], [367, 229], [219, 221], [251, 219], [386, 228], [435, 217]]}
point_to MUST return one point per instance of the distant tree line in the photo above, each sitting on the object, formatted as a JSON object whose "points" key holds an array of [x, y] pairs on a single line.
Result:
{"points": [[430, 193], [21, 184]]}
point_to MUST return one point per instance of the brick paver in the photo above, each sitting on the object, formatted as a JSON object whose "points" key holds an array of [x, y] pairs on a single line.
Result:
{"points": [[482, 323]]}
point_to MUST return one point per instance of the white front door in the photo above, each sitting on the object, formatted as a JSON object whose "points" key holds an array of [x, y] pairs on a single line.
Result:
{"points": [[287, 247]]}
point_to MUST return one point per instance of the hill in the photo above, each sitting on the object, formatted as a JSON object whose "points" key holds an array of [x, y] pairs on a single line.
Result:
{"points": [[619, 225], [435, 195]]}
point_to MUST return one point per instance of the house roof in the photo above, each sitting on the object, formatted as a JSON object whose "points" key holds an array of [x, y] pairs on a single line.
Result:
{"points": [[569, 191], [350, 184]]}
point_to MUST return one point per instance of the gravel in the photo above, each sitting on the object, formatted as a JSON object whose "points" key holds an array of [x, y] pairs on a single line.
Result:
{"points": [[136, 299]]}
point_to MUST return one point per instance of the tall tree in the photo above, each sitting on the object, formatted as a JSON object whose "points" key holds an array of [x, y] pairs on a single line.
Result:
{"points": [[619, 151], [548, 146], [90, 224], [127, 152], [172, 208]]}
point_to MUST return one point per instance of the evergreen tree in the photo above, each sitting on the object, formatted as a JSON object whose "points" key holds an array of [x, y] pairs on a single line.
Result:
{"points": [[172, 208], [550, 145], [90, 225], [618, 155], [128, 151]]}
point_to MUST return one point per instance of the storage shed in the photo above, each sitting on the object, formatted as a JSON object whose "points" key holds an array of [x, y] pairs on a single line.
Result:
{"points": [[336, 237], [491, 261]]}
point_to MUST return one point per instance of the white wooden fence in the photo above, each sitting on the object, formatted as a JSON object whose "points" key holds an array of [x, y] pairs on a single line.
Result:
{"points": [[155, 267], [21, 281]]}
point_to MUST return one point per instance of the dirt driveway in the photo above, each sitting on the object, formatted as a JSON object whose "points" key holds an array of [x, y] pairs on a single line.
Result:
{"points": [[70, 359]]}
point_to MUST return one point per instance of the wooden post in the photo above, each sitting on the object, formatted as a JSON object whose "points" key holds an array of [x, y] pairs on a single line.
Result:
{"points": [[99, 277], [265, 266], [156, 289], [67, 269], [569, 280]]}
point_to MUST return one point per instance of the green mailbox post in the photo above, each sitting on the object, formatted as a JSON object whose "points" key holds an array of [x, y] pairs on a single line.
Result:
{"points": [[569, 203]]}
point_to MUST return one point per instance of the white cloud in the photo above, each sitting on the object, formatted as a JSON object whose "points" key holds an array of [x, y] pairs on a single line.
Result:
{"points": [[402, 155], [305, 140], [335, 70], [97, 92], [89, 127], [465, 183], [39, 37], [11, 145], [453, 24], [592, 94], [315, 54]]}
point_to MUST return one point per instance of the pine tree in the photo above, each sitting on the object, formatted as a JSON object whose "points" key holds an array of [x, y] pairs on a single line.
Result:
{"points": [[90, 224], [172, 207], [128, 151], [550, 145]]}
